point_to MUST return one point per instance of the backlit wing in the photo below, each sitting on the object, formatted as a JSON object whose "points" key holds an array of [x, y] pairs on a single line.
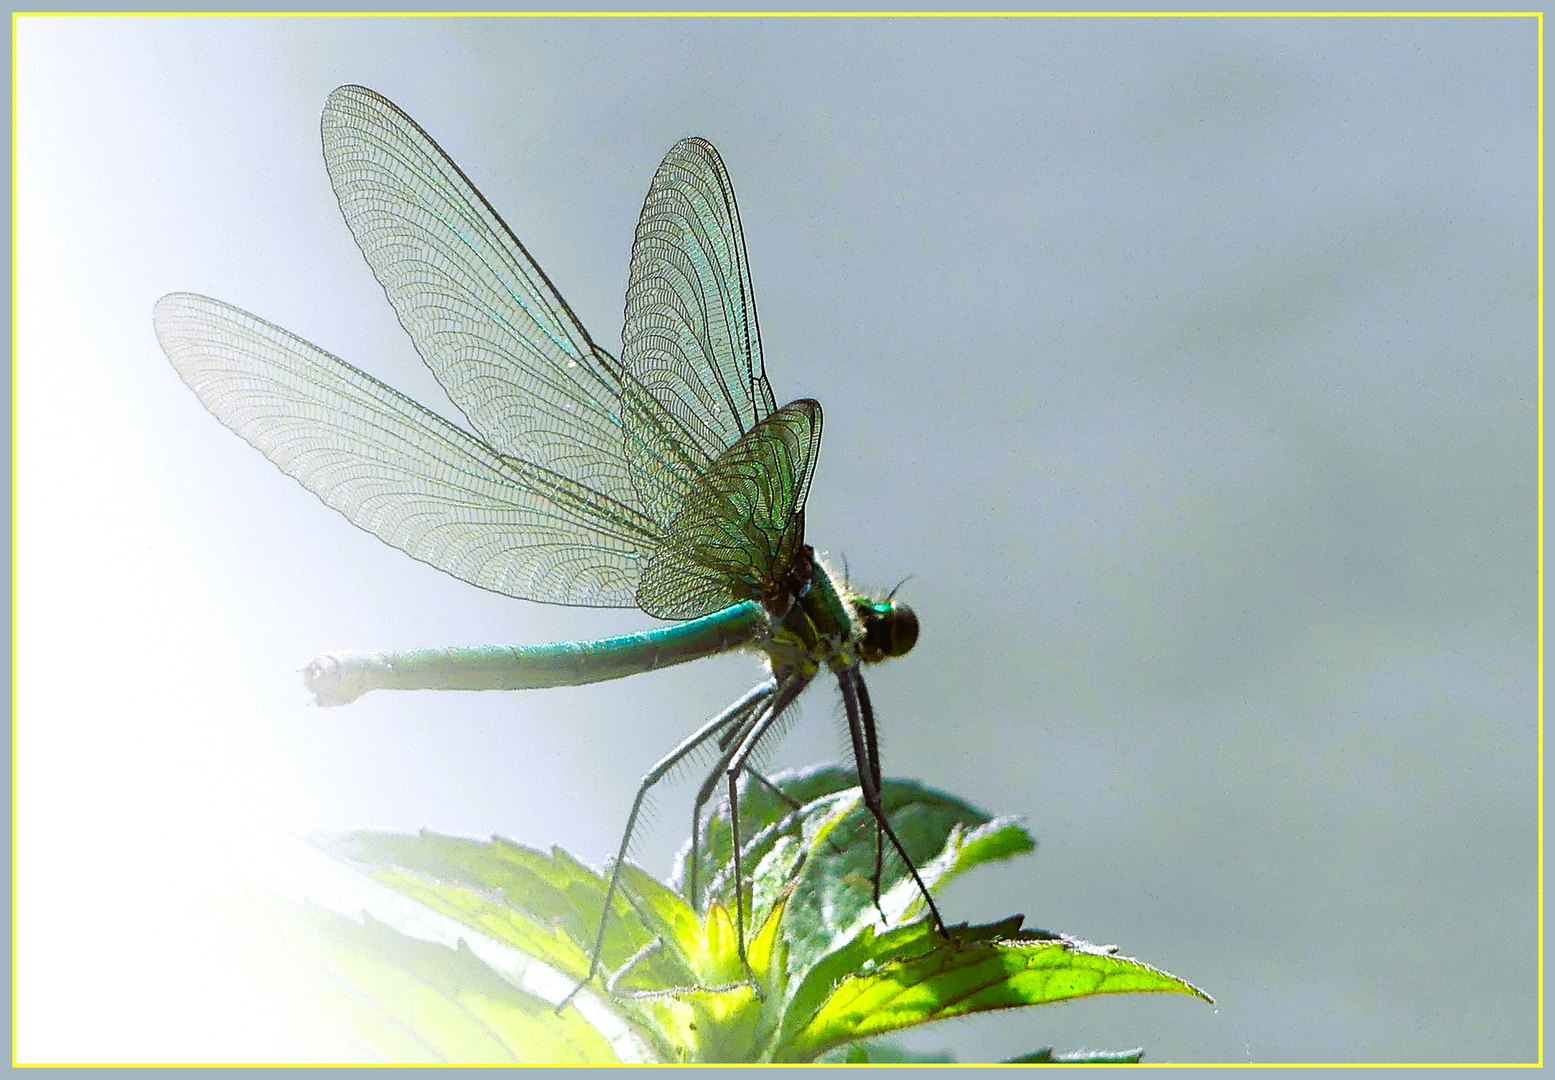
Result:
{"points": [[400, 471], [695, 383], [742, 525], [487, 321]]}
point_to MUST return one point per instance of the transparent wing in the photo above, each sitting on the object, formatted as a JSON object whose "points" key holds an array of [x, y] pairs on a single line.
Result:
{"points": [[690, 344], [399, 470], [487, 321], [743, 524]]}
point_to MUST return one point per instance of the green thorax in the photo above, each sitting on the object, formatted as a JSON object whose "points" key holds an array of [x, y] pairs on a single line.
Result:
{"points": [[838, 627]]}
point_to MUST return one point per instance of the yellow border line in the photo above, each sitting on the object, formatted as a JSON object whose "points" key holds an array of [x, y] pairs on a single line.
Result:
{"points": [[14, 988], [1539, 15], [1540, 553]]}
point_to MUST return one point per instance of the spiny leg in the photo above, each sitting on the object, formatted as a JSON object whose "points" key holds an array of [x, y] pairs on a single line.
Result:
{"points": [[734, 713], [770, 712], [872, 748], [861, 726], [793, 804], [782, 796], [728, 743], [705, 792]]}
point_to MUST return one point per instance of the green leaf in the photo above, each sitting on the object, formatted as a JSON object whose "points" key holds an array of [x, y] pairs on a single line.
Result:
{"points": [[911, 976], [671, 974], [544, 905], [826, 974], [407, 1000], [823, 853]]}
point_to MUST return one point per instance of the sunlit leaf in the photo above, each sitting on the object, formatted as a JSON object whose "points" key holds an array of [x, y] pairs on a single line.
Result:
{"points": [[407, 1000], [912, 975], [824, 851], [826, 974]]}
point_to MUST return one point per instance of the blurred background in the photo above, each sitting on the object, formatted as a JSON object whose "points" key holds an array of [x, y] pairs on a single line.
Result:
{"points": [[1184, 369]]}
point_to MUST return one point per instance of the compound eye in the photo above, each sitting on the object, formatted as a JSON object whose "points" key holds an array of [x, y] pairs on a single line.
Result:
{"points": [[890, 629], [904, 629]]}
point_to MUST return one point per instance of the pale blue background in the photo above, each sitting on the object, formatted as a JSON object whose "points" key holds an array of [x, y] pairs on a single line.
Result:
{"points": [[1187, 366]]}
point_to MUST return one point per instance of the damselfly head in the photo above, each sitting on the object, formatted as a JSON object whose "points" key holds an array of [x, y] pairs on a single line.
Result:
{"points": [[890, 629]]}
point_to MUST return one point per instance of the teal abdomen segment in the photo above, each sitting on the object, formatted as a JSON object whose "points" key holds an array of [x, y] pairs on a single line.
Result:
{"points": [[340, 678]]}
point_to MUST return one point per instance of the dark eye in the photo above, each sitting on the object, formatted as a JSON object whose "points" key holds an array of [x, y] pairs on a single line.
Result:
{"points": [[890, 629]]}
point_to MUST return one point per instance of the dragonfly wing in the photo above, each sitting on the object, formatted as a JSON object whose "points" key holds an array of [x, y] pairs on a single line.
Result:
{"points": [[743, 524], [402, 472], [695, 382], [487, 321]]}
